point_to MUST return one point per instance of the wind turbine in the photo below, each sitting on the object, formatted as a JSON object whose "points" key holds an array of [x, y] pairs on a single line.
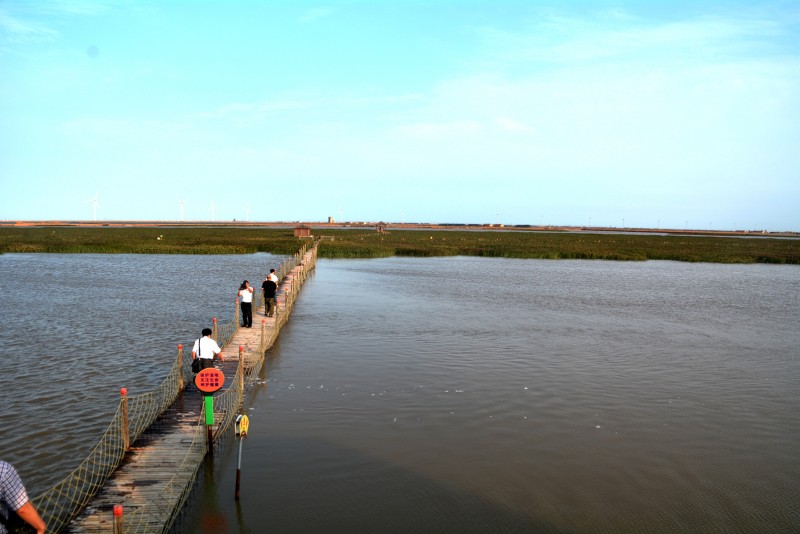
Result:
{"points": [[181, 204], [213, 207], [94, 204]]}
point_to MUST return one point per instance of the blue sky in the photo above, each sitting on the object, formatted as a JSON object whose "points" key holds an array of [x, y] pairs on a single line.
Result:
{"points": [[637, 114]]}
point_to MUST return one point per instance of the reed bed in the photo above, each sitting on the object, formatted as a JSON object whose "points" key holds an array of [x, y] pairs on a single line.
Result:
{"points": [[560, 245], [367, 243], [150, 240]]}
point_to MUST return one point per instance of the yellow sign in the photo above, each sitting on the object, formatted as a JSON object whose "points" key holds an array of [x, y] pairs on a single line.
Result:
{"points": [[244, 424]]}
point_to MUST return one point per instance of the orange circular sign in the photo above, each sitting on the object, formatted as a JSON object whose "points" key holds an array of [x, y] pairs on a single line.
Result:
{"points": [[209, 380]]}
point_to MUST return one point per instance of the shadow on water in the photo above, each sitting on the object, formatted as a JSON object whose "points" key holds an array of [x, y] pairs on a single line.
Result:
{"points": [[285, 495]]}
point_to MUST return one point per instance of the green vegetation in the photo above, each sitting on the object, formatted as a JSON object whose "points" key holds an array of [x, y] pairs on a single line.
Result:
{"points": [[164, 240], [559, 245], [370, 244]]}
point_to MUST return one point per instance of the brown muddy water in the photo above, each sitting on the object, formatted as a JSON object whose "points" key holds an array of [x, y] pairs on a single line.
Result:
{"points": [[438, 394]]}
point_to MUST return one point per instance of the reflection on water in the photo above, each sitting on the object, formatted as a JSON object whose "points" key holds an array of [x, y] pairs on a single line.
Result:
{"points": [[475, 395], [78, 327], [458, 394]]}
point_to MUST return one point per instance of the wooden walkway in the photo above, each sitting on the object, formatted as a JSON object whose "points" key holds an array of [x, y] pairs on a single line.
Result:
{"points": [[155, 472]]}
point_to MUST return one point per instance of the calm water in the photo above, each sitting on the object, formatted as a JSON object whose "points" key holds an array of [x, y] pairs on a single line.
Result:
{"points": [[78, 327], [487, 395], [441, 395]]}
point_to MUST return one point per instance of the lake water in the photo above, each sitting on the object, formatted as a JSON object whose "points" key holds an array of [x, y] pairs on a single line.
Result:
{"points": [[490, 395], [440, 394], [78, 327]]}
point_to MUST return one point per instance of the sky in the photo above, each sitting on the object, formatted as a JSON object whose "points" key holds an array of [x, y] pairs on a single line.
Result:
{"points": [[647, 114]]}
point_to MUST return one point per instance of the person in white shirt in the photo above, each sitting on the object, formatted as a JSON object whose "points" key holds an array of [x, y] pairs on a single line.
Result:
{"points": [[206, 348], [246, 293]]}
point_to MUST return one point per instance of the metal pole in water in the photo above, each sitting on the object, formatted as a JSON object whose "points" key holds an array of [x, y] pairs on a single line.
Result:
{"points": [[238, 470], [242, 424], [209, 402]]}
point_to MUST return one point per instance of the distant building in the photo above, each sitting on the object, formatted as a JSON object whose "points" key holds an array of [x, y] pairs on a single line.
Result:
{"points": [[330, 220], [302, 231], [381, 227]]}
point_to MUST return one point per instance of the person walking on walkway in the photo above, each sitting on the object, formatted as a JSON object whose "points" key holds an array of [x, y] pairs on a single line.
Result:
{"points": [[269, 287], [14, 498], [272, 276], [246, 293], [206, 348]]}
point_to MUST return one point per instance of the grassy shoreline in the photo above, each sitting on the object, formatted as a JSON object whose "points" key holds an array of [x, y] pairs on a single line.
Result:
{"points": [[341, 243]]}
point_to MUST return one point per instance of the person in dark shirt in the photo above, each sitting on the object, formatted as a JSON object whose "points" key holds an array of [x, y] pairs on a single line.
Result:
{"points": [[269, 287]]}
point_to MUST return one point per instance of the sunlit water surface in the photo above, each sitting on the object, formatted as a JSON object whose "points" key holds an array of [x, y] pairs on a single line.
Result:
{"points": [[438, 394], [78, 327], [490, 395]]}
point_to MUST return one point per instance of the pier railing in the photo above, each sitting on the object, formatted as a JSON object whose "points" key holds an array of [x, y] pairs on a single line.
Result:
{"points": [[136, 413]]}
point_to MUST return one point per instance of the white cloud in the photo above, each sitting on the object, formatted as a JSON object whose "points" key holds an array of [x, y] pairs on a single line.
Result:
{"points": [[15, 30], [316, 13], [513, 125], [556, 41], [439, 130]]}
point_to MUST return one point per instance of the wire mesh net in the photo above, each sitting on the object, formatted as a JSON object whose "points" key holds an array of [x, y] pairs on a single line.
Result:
{"points": [[60, 504]]}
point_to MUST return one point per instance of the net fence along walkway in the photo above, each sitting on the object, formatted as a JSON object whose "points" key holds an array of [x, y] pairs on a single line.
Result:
{"points": [[165, 426]]}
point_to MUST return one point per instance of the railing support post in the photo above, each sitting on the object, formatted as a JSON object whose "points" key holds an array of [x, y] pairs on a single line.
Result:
{"points": [[118, 518], [209, 428], [126, 437], [180, 368], [241, 369], [214, 333], [263, 336]]}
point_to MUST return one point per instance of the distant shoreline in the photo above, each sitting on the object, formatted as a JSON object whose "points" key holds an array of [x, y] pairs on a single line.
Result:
{"points": [[388, 226], [377, 240]]}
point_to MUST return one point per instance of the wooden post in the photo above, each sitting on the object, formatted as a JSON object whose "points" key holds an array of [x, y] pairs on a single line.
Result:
{"points": [[214, 335], [236, 311], [241, 368], [263, 334], [126, 437], [180, 367], [118, 518]]}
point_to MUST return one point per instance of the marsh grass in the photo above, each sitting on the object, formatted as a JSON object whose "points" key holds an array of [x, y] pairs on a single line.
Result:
{"points": [[563, 245], [148, 240], [371, 244]]}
